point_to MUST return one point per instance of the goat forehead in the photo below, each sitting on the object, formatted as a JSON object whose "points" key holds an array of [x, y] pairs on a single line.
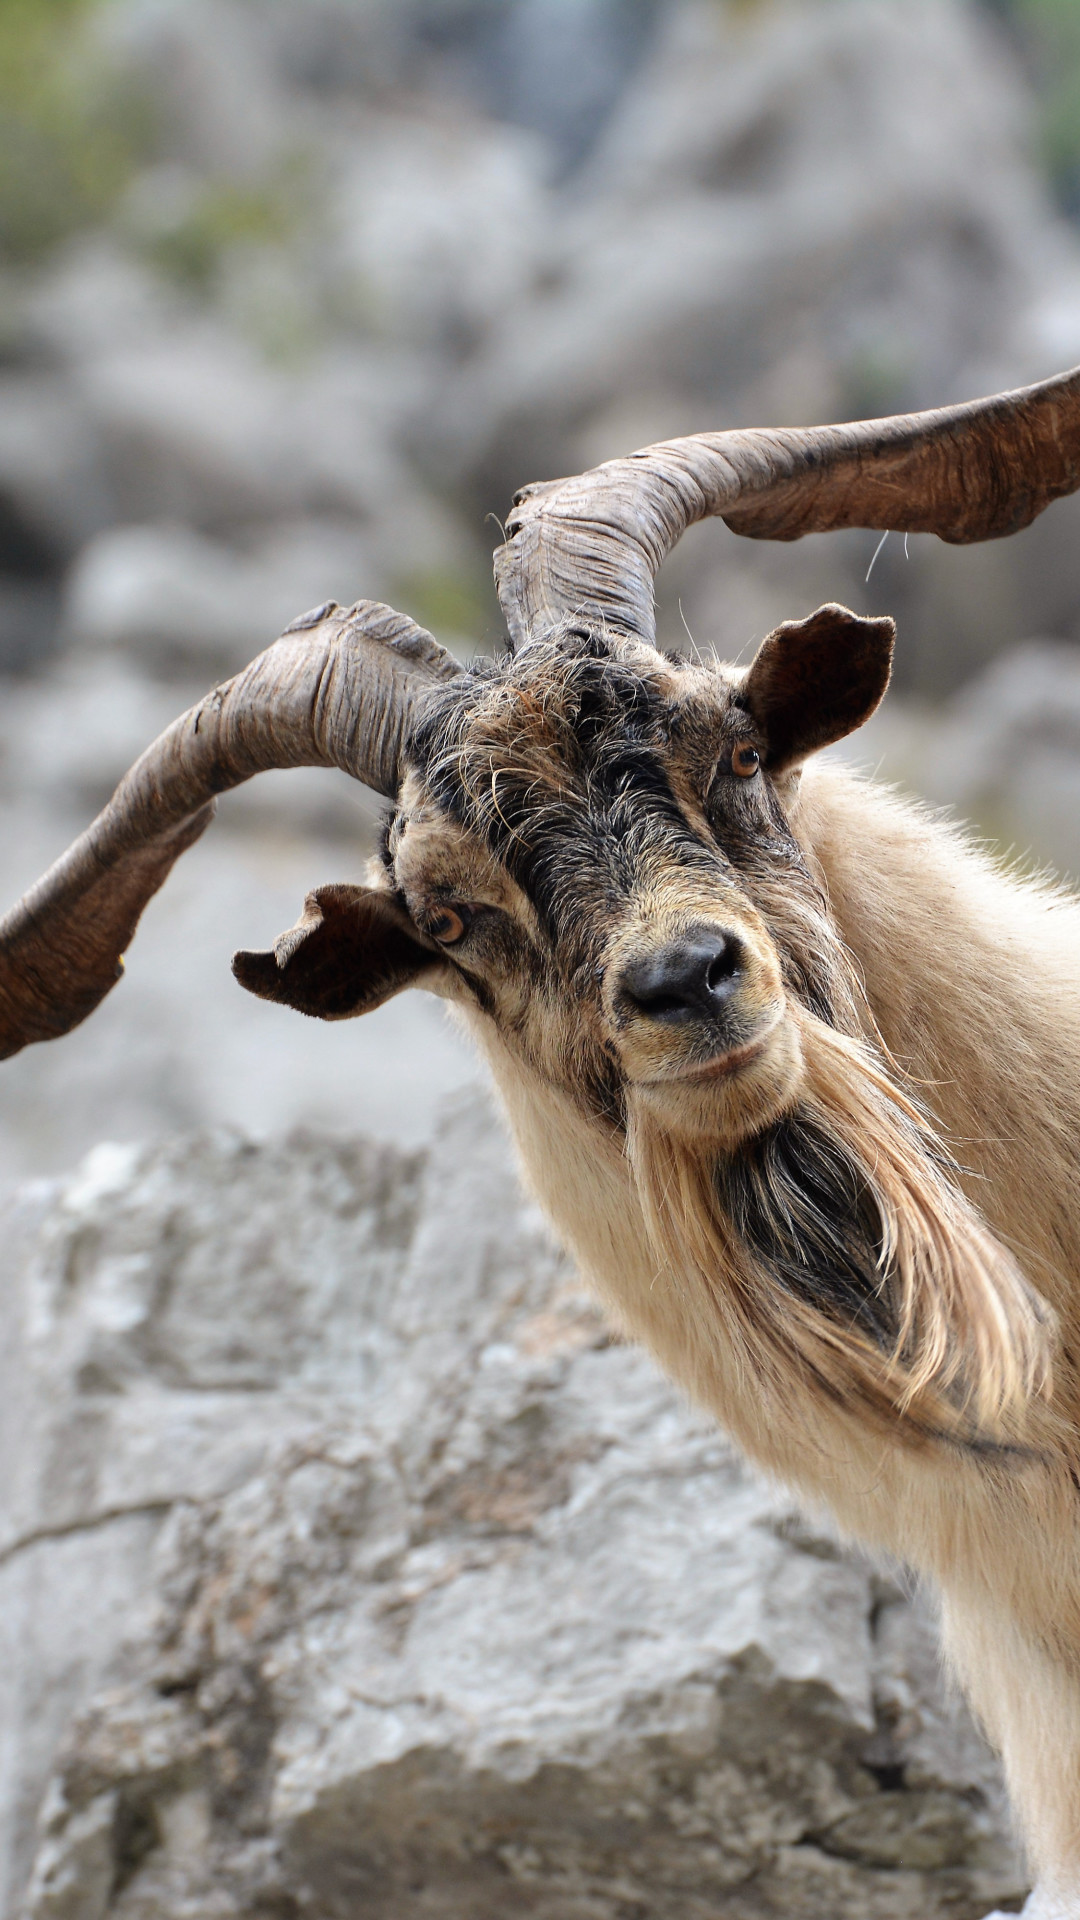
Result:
{"points": [[582, 773], [575, 715]]}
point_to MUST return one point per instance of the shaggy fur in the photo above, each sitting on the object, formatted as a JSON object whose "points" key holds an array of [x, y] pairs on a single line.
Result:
{"points": [[839, 1225], [843, 1212]]}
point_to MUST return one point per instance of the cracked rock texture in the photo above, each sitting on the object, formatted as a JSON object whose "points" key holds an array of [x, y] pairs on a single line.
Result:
{"points": [[348, 1568]]}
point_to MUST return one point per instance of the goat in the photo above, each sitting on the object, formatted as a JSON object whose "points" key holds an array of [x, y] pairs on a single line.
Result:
{"points": [[793, 1069]]}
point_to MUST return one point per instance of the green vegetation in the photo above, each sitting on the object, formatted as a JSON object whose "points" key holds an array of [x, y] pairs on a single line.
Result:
{"points": [[1049, 30], [219, 215], [451, 602], [76, 132], [70, 134]]}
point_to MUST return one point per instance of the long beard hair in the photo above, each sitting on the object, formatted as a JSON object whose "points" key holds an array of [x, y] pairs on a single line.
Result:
{"points": [[835, 1254]]}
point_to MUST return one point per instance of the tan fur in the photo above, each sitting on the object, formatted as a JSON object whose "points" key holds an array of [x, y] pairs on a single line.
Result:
{"points": [[947, 1068], [971, 1337], [971, 979]]}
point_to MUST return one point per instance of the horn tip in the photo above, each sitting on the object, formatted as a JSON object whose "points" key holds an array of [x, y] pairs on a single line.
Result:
{"points": [[304, 621]]}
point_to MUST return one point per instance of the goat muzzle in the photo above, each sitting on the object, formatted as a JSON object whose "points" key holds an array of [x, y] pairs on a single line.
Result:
{"points": [[687, 981]]}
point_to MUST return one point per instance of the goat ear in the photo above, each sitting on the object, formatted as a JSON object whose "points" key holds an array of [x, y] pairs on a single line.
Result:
{"points": [[813, 681], [352, 948]]}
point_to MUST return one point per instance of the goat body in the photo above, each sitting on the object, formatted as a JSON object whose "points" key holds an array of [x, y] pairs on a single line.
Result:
{"points": [[794, 1070], [972, 979]]}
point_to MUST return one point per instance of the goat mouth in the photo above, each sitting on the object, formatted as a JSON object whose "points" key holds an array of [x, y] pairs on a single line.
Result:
{"points": [[732, 1061], [725, 1065]]}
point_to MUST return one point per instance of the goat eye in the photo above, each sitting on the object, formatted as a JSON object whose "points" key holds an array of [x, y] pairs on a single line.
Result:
{"points": [[449, 924], [745, 760]]}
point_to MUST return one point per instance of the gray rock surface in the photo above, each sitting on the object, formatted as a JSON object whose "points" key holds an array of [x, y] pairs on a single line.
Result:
{"points": [[767, 150], [1002, 755], [348, 1568]]}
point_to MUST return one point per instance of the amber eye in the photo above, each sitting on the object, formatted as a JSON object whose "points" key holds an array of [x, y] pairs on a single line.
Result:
{"points": [[745, 760], [448, 924]]}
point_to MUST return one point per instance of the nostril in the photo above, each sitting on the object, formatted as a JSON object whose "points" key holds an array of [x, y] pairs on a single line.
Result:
{"points": [[690, 979], [662, 1006], [724, 966]]}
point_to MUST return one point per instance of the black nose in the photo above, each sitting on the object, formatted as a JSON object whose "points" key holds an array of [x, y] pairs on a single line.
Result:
{"points": [[691, 979]]}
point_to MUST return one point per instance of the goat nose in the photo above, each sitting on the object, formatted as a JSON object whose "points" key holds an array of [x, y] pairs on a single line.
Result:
{"points": [[691, 979]]}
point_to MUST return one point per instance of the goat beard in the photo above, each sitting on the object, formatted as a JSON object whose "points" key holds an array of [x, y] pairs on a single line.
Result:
{"points": [[835, 1250]]}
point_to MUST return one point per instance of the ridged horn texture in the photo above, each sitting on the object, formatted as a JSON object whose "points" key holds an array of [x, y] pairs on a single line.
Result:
{"points": [[592, 545], [339, 689]]}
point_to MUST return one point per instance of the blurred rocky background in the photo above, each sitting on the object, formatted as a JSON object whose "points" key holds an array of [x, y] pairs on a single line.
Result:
{"points": [[293, 294]]}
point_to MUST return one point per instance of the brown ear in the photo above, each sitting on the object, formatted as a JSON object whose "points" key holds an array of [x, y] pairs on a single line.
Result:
{"points": [[815, 680], [352, 948]]}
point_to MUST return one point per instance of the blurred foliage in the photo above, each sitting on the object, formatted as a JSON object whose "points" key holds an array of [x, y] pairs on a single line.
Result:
{"points": [[71, 135], [189, 240], [78, 139], [1049, 31], [450, 602], [875, 379]]}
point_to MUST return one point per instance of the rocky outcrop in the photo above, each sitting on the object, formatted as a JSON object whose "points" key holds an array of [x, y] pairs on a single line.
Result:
{"points": [[349, 1568]]}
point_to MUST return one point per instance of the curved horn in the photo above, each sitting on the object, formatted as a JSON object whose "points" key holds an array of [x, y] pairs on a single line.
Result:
{"points": [[593, 544], [337, 690]]}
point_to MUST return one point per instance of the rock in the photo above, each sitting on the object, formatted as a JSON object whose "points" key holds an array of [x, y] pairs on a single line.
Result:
{"points": [[56, 488], [1007, 752], [557, 67], [96, 297], [756, 166], [440, 225], [196, 427], [348, 1566], [209, 73], [369, 275], [562, 66], [795, 214], [199, 428], [29, 622], [182, 604], [66, 740], [53, 482], [160, 410], [1002, 754]]}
